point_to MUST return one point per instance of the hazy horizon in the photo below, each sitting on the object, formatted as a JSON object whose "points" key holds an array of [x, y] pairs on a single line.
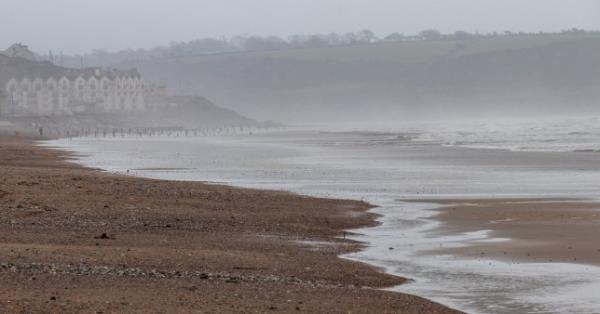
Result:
{"points": [[76, 27]]}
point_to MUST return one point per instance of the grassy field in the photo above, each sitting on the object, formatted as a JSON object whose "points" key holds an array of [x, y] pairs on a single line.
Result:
{"points": [[407, 52]]}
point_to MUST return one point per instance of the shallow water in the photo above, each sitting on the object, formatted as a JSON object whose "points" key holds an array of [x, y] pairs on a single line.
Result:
{"points": [[383, 168]]}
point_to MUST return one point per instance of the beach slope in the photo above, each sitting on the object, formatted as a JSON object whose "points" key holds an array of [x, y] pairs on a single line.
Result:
{"points": [[79, 240]]}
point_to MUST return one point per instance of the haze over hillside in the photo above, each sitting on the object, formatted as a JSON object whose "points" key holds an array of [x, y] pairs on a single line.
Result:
{"points": [[445, 77], [334, 60], [41, 94]]}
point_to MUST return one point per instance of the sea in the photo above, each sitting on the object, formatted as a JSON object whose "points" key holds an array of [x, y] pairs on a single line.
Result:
{"points": [[386, 165]]}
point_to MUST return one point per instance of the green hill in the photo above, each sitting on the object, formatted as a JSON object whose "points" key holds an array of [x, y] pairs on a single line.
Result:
{"points": [[407, 52], [505, 74]]}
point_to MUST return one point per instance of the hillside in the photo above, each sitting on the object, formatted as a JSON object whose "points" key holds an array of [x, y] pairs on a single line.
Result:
{"points": [[19, 67], [406, 52], [190, 113], [521, 73]]}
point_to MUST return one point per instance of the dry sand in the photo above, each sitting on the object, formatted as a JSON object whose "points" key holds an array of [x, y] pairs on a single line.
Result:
{"points": [[79, 240], [540, 230]]}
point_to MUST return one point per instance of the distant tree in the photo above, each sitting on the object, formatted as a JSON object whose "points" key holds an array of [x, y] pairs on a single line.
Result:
{"points": [[431, 34], [238, 41], [316, 41], [462, 35], [350, 38], [254, 43], [275, 42], [297, 41], [260, 43], [366, 36], [395, 37], [207, 45], [334, 39]]}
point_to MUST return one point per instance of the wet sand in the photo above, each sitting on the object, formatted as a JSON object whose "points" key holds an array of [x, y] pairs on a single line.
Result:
{"points": [[534, 230], [80, 240]]}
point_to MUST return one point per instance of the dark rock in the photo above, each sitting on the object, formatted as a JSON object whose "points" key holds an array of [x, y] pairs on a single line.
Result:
{"points": [[104, 236], [233, 280]]}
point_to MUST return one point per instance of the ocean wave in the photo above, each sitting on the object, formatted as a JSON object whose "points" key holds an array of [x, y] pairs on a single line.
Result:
{"points": [[568, 135]]}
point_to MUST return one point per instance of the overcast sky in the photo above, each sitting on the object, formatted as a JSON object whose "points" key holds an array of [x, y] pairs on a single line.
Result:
{"points": [[76, 26]]}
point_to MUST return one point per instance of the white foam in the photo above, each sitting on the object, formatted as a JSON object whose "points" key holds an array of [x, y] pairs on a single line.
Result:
{"points": [[542, 135]]}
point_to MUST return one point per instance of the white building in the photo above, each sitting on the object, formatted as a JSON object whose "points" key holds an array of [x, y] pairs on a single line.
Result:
{"points": [[77, 91]]}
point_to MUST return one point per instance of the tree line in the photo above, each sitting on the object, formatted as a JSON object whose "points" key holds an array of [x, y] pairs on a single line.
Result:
{"points": [[246, 43]]}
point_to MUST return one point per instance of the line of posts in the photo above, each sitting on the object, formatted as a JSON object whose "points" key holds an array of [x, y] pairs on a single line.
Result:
{"points": [[70, 133]]}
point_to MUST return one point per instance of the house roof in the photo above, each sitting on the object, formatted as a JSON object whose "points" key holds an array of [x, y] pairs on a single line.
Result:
{"points": [[20, 68]]}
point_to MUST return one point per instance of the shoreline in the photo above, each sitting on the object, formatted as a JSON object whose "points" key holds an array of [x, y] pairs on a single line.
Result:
{"points": [[562, 284], [522, 230], [72, 226]]}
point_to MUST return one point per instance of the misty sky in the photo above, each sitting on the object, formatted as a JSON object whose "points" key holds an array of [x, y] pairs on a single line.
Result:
{"points": [[76, 26]]}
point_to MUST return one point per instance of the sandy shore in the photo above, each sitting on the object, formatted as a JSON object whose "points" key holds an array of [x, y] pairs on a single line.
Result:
{"points": [[79, 240], [540, 230]]}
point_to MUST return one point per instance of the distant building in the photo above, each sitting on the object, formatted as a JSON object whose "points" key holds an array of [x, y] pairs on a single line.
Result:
{"points": [[66, 91], [89, 90]]}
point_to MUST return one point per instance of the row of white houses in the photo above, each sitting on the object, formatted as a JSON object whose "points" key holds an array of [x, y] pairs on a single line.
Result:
{"points": [[77, 91]]}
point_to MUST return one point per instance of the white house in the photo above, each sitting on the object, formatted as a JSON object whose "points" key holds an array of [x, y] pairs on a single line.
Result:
{"points": [[28, 87], [76, 91]]}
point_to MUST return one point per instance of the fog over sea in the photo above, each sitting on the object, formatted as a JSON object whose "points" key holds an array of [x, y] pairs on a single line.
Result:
{"points": [[558, 157]]}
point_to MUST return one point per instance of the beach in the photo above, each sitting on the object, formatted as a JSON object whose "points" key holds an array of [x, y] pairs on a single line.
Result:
{"points": [[302, 157], [419, 186], [75, 239], [534, 230]]}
